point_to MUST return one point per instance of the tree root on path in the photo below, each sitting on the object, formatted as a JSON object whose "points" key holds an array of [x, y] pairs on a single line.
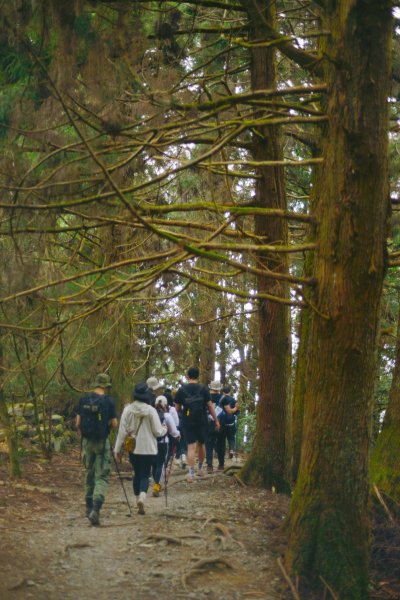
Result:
{"points": [[172, 539], [202, 566], [77, 545]]}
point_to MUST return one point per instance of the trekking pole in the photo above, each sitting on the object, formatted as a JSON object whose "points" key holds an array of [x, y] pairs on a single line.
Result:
{"points": [[122, 483], [237, 440]]}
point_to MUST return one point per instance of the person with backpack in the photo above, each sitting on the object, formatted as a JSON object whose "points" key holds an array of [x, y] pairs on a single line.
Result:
{"points": [[212, 436], [141, 424], [96, 416], [161, 407], [193, 399], [229, 409]]}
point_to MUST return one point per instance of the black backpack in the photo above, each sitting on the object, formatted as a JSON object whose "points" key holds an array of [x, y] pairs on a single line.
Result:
{"points": [[94, 417], [193, 410]]}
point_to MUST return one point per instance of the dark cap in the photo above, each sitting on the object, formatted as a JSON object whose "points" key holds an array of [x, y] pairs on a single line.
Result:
{"points": [[141, 392]]}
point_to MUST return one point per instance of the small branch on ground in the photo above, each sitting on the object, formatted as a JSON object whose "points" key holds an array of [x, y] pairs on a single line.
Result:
{"points": [[289, 581]]}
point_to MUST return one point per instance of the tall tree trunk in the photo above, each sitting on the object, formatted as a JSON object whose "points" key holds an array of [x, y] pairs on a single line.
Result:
{"points": [[328, 523], [385, 459], [6, 421], [267, 463], [208, 335]]}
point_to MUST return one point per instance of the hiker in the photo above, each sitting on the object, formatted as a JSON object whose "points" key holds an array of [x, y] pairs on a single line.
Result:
{"points": [[211, 440], [193, 399], [174, 444], [155, 388], [96, 416], [140, 421], [229, 409], [161, 460]]}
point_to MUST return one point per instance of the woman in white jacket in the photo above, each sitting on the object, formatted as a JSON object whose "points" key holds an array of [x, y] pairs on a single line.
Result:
{"points": [[140, 420]]}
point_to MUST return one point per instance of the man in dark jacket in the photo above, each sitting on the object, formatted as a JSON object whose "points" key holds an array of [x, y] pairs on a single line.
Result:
{"points": [[193, 399]]}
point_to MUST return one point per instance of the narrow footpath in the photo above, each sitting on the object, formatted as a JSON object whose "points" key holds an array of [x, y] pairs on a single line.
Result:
{"points": [[212, 539]]}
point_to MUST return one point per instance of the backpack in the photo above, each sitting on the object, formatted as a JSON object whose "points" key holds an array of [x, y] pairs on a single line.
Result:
{"points": [[193, 410], [94, 417], [224, 417], [161, 416]]}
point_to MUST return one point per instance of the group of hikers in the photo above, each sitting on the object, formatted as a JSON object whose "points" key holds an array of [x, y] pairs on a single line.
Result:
{"points": [[155, 426]]}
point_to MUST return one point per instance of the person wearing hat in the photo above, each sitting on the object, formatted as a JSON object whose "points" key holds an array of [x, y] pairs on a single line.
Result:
{"points": [[161, 407], [96, 416], [155, 388], [211, 440], [140, 420]]}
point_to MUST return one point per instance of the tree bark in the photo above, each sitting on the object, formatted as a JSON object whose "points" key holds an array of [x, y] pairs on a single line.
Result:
{"points": [[328, 522], [266, 465]]}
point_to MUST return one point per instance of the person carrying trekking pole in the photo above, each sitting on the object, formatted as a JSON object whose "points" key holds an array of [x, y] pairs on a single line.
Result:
{"points": [[193, 400], [161, 460], [96, 416], [140, 423]]}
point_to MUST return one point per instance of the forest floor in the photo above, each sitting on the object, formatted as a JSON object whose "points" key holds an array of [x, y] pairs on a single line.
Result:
{"points": [[215, 540]]}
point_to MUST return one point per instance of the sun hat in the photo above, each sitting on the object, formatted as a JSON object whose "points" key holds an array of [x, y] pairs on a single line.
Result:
{"points": [[153, 383], [102, 380], [162, 400], [141, 392], [215, 386]]}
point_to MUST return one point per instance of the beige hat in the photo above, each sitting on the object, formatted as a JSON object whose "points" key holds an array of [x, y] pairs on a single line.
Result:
{"points": [[215, 386], [153, 383], [162, 400]]}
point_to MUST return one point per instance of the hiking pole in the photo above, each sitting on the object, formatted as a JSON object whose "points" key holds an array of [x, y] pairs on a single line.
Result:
{"points": [[237, 440], [122, 483]]}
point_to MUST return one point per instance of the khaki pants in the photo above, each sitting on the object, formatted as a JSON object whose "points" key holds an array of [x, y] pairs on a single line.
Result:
{"points": [[96, 457]]}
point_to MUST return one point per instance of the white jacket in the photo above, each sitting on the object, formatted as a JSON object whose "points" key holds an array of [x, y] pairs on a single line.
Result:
{"points": [[171, 428], [149, 430], [172, 411]]}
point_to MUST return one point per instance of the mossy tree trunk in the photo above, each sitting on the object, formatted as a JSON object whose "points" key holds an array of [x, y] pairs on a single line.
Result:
{"points": [[385, 459], [266, 465], [11, 435], [328, 523]]}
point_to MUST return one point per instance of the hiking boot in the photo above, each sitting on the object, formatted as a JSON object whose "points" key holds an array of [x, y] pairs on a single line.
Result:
{"points": [[89, 508], [221, 467], [156, 490], [189, 478], [230, 454], [200, 473], [210, 469], [140, 503], [94, 517], [183, 461]]}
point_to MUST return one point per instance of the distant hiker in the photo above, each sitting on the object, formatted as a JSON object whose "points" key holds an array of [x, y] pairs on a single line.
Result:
{"points": [[96, 416], [211, 440], [175, 444], [163, 442], [141, 422], [193, 399], [227, 416], [155, 388]]}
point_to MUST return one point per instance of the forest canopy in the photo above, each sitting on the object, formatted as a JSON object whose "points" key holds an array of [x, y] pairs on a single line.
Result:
{"points": [[211, 183]]}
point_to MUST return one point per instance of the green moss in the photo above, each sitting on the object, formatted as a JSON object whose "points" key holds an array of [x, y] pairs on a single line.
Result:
{"points": [[385, 462]]}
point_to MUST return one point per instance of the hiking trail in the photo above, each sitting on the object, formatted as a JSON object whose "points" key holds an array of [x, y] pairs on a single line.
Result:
{"points": [[215, 540]]}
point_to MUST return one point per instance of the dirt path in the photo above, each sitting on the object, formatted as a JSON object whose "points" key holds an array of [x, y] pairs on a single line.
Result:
{"points": [[49, 552]]}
